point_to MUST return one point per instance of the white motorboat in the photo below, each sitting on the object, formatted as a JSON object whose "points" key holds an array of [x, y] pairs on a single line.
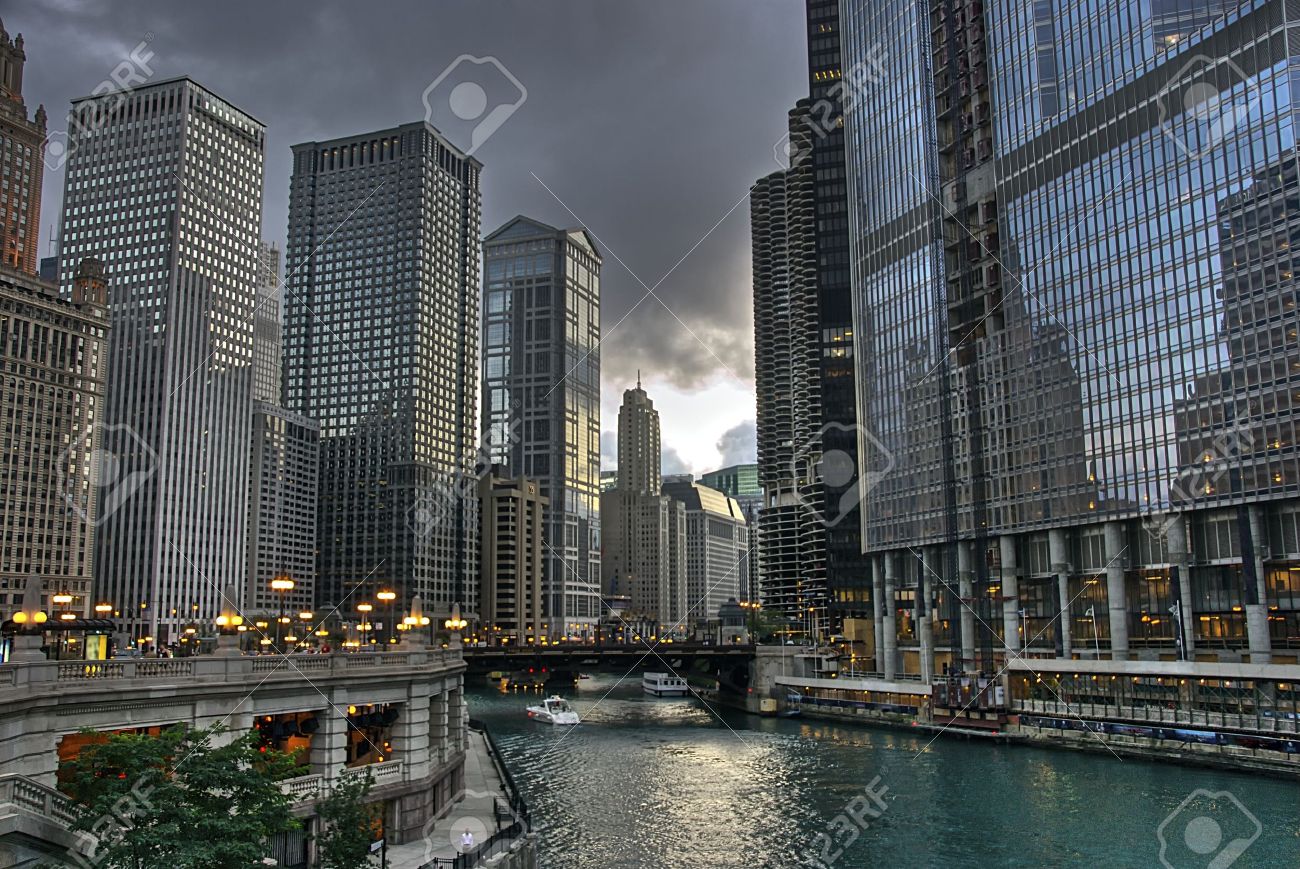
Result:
{"points": [[554, 710], [664, 685]]}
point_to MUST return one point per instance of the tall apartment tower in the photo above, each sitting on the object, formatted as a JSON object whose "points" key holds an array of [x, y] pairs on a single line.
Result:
{"points": [[793, 522], [1078, 363], [54, 351], [644, 531], [267, 350], [512, 555], [381, 330], [541, 398], [165, 187], [22, 152]]}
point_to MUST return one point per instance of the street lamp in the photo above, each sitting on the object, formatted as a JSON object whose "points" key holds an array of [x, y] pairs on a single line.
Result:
{"points": [[455, 624], [388, 597], [283, 584], [364, 609]]}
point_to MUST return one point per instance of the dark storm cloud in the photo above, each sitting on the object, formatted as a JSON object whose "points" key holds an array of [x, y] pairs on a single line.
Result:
{"points": [[648, 120], [739, 445]]}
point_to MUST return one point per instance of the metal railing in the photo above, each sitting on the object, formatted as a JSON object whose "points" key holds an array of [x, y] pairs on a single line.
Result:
{"points": [[514, 808]]}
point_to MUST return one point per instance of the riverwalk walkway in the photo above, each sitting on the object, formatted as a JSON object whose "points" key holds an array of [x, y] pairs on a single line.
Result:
{"points": [[474, 813]]}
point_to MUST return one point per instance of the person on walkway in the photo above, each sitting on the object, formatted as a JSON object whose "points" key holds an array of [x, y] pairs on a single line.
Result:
{"points": [[466, 841]]}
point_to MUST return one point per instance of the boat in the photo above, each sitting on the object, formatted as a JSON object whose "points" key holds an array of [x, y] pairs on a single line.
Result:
{"points": [[664, 685], [554, 710]]}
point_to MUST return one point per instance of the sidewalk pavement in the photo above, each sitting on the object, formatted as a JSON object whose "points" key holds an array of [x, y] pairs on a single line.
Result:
{"points": [[475, 812]]}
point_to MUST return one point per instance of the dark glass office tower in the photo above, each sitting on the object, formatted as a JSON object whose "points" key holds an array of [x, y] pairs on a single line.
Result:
{"points": [[848, 571], [541, 394], [1072, 231], [381, 347]]}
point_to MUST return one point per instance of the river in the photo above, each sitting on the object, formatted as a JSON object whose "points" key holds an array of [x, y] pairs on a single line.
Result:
{"points": [[647, 782]]}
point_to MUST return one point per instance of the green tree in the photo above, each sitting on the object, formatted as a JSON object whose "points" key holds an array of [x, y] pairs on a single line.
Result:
{"points": [[348, 824], [185, 799]]}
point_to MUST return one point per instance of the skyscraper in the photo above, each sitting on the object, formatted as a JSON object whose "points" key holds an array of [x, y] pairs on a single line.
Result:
{"points": [[381, 347], [267, 352], [1077, 360], [283, 470], [848, 571], [644, 554], [717, 540], [512, 557], [55, 352], [541, 393], [792, 527], [741, 482], [179, 232], [22, 149]]}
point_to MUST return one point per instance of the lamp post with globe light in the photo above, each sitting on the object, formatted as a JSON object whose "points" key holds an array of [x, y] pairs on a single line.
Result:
{"points": [[365, 610], [388, 597], [282, 584]]}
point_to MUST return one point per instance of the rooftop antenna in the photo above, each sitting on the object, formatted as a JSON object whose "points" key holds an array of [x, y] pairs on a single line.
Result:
{"points": [[638, 378]]}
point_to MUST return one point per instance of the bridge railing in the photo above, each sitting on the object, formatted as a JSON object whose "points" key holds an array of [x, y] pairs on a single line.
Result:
{"points": [[210, 668]]}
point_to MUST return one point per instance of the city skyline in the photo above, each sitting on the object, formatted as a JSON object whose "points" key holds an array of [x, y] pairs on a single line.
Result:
{"points": [[702, 401]]}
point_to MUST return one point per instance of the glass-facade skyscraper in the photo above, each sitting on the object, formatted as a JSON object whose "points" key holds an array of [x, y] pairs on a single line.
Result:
{"points": [[381, 307], [164, 185], [1075, 327], [541, 398]]}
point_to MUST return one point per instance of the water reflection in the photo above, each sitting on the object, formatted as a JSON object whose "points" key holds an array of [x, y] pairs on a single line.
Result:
{"points": [[662, 782]]}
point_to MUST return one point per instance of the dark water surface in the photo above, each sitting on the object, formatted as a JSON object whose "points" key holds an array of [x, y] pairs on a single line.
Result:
{"points": [[647, 782]]}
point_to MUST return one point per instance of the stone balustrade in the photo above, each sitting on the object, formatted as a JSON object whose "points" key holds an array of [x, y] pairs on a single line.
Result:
{"points": [[207, 668]]}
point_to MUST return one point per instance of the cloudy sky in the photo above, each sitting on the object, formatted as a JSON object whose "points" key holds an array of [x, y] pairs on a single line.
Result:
{"points": [[644, 121]]}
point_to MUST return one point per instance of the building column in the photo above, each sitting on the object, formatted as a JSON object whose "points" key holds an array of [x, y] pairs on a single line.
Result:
{"points": [[1059, 552], [410, 731], [439, 750], [878, 611], [1258, 640], [1180, 558], [966, 588], [888, 621], [456, 719], [1116, 593], [925, 596], [1010, 593], [329, 744]]}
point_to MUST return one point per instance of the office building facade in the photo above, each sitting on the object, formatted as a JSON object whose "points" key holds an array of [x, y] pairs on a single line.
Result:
{"points": [[268, 356], [165, 188], [1075, 331], [22, 152], [717, 541], [54, 353], [381, 308], [741, 483], [541, 398], [644, 555], [513, 557], [282, 510]]}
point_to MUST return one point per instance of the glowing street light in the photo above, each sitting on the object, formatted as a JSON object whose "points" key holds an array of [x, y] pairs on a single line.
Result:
{"points": [[364, 609], [388, 596], [282, 584]]}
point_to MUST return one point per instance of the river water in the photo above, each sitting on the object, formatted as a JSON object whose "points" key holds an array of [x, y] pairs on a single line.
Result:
{"points": [[648, 782]]}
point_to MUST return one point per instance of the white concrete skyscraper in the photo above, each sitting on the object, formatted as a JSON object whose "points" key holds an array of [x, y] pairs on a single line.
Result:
{"points": [[164, 185]]}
